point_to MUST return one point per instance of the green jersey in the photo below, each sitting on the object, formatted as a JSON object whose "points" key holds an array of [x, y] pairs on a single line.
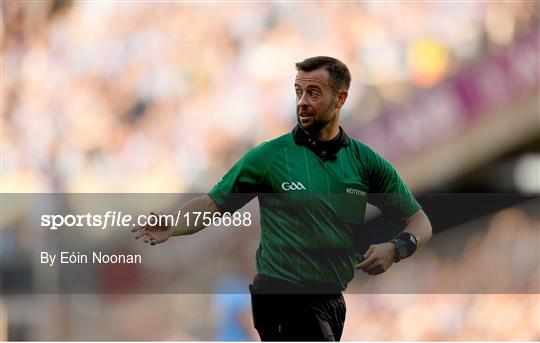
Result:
{"points": [[312, 197]]}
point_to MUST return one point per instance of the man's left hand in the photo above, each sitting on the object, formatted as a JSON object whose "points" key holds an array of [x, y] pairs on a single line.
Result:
{"points": [[378, 258]]}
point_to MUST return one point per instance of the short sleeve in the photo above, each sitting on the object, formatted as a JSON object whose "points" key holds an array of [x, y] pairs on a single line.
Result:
{"points": [[387, 190], [241, 183]]}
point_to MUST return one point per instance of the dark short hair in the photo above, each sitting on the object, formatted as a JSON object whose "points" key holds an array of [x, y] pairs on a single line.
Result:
{"points": [[340, 76]]}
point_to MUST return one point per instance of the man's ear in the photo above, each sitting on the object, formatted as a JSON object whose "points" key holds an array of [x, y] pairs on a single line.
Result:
{"points": [[341, 97]]}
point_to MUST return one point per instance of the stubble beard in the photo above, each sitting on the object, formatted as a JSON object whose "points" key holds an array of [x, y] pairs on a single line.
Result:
{"points": [[319, 121]]}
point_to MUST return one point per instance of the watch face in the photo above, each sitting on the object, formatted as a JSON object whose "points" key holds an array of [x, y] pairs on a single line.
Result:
{"points": [[402, 252]]}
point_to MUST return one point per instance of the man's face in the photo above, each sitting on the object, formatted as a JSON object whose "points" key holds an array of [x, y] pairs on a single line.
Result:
{"points": [[315, 100]]}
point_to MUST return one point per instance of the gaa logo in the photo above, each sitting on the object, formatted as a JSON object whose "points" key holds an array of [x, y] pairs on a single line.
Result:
{"points": [[293, 186]]}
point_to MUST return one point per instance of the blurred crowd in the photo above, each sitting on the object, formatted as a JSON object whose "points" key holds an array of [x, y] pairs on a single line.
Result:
{"points": [[164, 97]]}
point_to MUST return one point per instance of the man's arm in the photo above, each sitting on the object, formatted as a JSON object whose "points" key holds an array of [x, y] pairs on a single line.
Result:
{"points": [[418, 225], [159, 234], [379, 257]]}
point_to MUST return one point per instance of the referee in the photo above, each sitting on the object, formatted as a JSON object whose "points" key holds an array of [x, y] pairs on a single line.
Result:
{"points": [[312, 185]]}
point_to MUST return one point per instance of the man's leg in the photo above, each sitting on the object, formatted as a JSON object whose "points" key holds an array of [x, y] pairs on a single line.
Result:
{"points": [[322, 317], [337, 311], [268, 316], [298, 317]]}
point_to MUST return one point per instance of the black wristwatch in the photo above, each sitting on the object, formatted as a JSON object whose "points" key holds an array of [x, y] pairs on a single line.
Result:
{"points": [[405, 245]]}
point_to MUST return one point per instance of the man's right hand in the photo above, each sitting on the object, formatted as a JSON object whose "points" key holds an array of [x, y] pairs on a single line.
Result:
{"points": [[153, 234]]}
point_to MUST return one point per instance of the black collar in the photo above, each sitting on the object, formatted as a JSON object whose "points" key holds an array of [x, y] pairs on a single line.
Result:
{"points": [[326, 150]]}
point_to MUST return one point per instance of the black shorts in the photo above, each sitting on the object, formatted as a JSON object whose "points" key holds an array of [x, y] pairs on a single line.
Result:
{"points": [[295, 317]]}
